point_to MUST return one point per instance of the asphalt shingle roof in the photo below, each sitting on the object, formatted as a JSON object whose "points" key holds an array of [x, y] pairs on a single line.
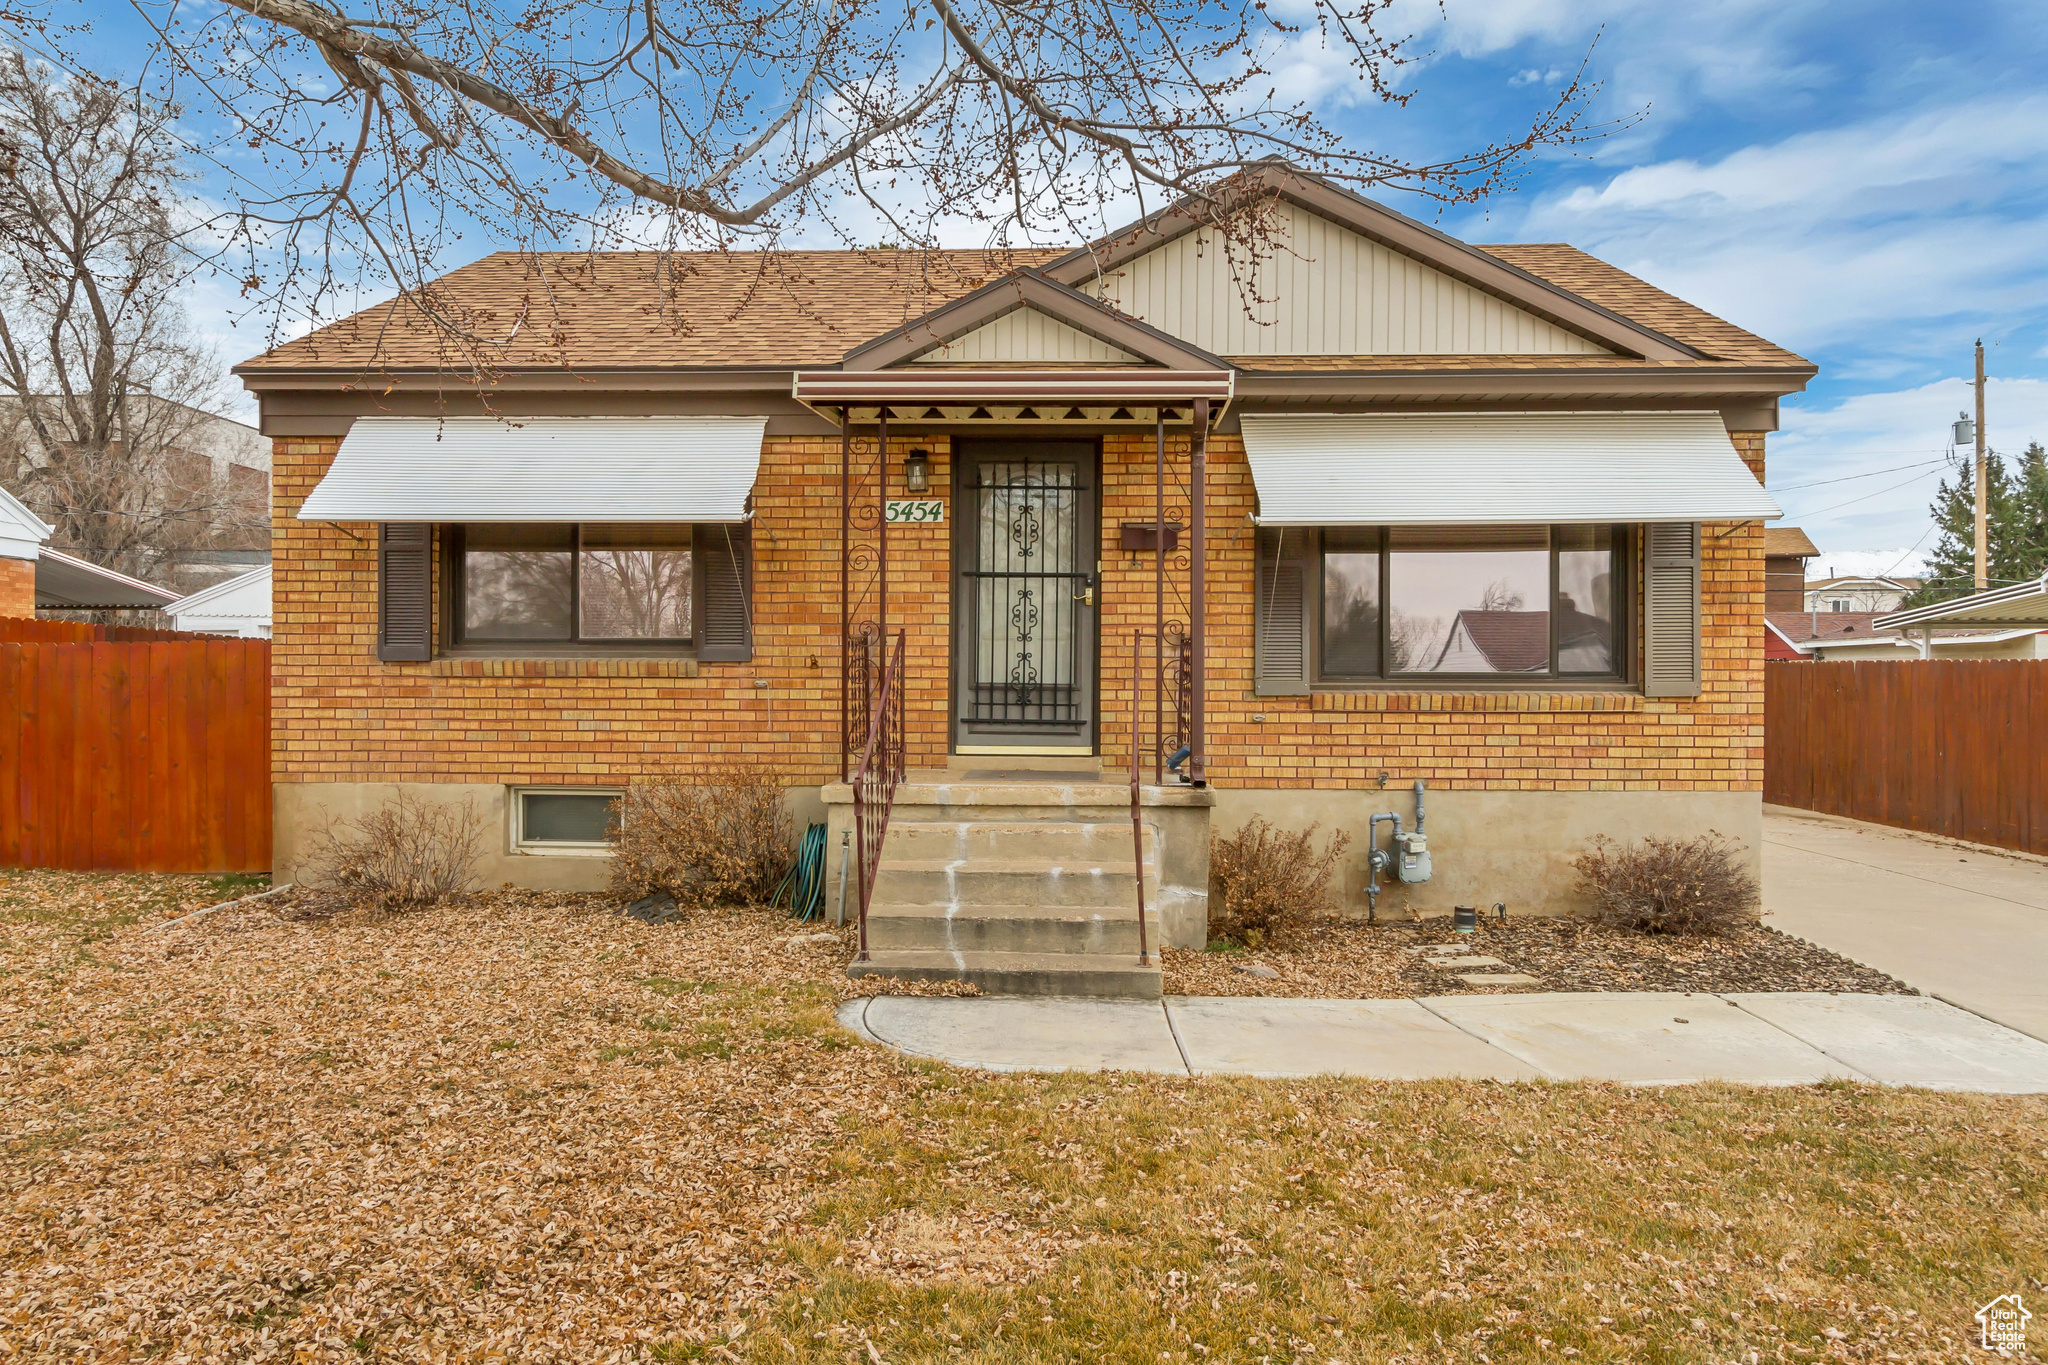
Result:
{"points": [[759, 309]]}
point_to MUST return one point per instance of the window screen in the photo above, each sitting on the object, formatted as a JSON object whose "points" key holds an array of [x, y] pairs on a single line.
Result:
{"points": [[565, 817]]}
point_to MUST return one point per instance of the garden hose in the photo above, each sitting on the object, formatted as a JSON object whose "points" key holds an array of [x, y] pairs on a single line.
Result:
{"points": [[806, 880]]}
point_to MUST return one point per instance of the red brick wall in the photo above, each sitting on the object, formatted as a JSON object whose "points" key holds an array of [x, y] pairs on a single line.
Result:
{"points": [[17, 587]]}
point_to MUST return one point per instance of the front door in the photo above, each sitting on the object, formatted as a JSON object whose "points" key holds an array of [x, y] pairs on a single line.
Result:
{"points": [[1025, 550]]}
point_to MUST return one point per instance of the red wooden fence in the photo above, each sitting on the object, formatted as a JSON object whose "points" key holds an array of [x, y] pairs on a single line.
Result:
{"points": [[125, 749], [1955, 747]]}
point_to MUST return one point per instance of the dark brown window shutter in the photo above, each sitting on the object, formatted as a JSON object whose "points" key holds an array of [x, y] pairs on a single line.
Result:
{"points": [[725, 628], [1671, 609], [405, 592], [1281, 646]]}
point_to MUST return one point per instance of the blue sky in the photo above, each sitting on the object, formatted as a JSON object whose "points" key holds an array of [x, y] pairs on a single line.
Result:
{"points": [[1864, 183]]}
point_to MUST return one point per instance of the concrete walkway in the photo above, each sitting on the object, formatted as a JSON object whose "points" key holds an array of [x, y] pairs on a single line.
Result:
{"points": [[1644, 1038], [1960, 922]]}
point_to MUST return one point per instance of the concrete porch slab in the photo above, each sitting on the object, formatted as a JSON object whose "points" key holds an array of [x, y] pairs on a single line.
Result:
{"points": [[1000, 1033], [1637, 1038], [1384, 1039], [1910, 1040]]}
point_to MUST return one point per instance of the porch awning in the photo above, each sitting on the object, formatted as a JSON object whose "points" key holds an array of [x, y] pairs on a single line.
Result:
{"points": [[551, 469], [1118, 384], [1528, 467]]}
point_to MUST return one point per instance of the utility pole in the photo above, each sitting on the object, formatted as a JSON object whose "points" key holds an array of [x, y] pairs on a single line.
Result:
{"points": [[1983, 497]]}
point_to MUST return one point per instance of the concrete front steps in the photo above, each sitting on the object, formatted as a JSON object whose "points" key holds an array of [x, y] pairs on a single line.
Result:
{"points": [[1025, 888]]}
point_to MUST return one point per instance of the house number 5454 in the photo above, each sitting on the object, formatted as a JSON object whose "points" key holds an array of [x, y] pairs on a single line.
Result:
{"points": [[905, 511]]}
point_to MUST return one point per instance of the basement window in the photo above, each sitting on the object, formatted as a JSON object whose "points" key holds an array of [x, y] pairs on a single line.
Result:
{"points": [[563, 819]]}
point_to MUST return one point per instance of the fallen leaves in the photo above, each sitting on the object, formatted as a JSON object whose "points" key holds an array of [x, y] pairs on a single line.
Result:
{"points": [[1348, 959]]}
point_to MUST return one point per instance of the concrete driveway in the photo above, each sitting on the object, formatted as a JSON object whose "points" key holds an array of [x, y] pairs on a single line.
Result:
{"points": [[1954, 920]]}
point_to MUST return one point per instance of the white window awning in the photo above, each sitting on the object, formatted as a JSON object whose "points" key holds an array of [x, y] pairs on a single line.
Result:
{"points": [[1510, 467], [553, 469]]}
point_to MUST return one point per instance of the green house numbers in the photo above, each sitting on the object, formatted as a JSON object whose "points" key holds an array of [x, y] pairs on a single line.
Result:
{"points": [[914, 512]]}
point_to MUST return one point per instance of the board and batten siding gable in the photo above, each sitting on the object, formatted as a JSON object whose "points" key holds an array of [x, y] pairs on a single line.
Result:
{"points": [[1025, 335], [1321, 290]]}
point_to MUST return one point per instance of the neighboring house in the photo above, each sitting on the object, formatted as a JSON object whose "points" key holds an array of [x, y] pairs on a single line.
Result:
{"points": [[213, 461], [32, 575], [1812, 637], [239, 606], [1490, 518], [1855, 595], [1786, 550]]}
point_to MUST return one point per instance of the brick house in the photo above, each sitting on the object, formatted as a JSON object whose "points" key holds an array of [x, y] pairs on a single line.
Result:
{"points": [[1490, 518]]}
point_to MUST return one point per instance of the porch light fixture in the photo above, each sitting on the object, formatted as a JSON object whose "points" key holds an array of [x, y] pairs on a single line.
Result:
{"points": [[917, 471]]}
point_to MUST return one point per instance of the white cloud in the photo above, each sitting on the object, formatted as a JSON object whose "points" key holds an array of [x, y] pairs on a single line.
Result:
{"points": [[1864, 234], [1885, 451]]}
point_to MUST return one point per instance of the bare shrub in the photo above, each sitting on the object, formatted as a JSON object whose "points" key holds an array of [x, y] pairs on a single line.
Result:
{"points": [[1669, 886], [1269, 882], [718, 838], [407, 854]]}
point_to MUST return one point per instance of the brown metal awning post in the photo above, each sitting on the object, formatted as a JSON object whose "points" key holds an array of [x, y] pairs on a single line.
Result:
{"points": [[1198, 770], [845, 603], [882, 524], [1158, 613]]}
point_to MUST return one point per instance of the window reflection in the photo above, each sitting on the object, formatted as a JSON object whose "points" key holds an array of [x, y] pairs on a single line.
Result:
{"points": [[635, 583], [1469, 599], [516, 582], [1585, 599], [1351, 601]]}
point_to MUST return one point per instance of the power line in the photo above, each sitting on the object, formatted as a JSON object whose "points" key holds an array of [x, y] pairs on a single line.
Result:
{"points": [[1866, 497], [63, 511], [1866, 474]]}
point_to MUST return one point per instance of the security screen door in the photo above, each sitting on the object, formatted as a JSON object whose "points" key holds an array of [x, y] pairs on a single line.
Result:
{"points": [[1026, 544]]}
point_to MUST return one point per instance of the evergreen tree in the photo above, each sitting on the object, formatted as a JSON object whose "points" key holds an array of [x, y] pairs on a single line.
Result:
{"points": [[2030, 514], [2016, 526]]}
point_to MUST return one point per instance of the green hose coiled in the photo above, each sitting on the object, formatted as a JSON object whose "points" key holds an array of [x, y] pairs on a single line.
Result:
{"points": [[805, 883]]}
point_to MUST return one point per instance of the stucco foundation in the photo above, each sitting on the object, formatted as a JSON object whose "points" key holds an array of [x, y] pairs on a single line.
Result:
{"points": [[1500, 846], [301, 809]]}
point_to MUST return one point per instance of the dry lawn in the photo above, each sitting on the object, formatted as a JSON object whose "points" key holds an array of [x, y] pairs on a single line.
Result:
{"points": [[525, 1129]]}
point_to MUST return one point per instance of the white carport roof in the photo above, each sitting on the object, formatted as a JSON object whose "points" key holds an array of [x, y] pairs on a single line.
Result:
{"points": [[2024, 604]]}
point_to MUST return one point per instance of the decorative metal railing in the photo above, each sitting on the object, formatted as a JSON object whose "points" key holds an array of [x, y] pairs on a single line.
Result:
{"points": [[1137, 748], [876, 780]]}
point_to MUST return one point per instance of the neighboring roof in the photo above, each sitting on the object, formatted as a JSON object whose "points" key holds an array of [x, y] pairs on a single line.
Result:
{"points": [[1803, 627], [69, 584], [22, 532], [1864, 581], [244, 595], [1512, 641], [2024, 604], [1787, 540]]}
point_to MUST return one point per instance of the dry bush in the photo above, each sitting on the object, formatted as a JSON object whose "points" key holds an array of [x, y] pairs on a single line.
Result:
{"points": [[719, 838], [1269, 882], [406, 854], [1669, 886]]}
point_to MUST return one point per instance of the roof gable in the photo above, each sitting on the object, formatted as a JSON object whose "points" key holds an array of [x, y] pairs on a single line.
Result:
{"points": [[1322, 289], [1026, 336], [22, 532], [1344, 276], [1027, 291]]}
